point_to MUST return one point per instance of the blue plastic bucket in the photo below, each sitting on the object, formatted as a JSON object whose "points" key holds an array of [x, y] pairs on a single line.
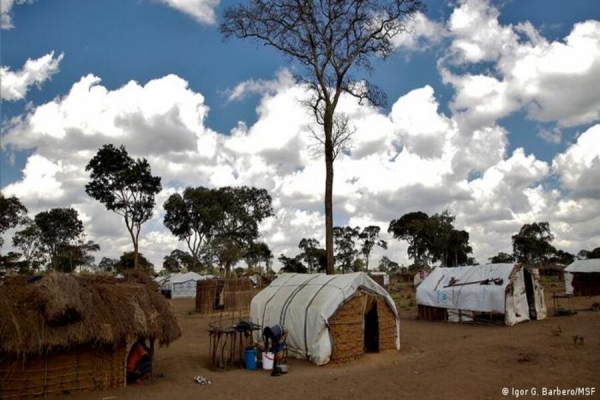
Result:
{"points": [[251, 355]]}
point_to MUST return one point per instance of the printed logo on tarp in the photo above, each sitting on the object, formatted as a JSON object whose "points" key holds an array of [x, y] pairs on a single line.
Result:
{"points": [[442, 297]]}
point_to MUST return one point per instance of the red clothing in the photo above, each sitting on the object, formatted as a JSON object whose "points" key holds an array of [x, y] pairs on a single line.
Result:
{"points": [[135, 355]]}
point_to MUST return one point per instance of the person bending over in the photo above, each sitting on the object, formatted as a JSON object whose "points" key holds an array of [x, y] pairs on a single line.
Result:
{"points": [[274, 338]]}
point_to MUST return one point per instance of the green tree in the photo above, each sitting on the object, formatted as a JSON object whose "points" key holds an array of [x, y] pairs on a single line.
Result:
{"points": [[125, 186], [387, 265], [107, 264], [28, 240], [438, 233], [369, 238], [241, 210], [73, 255], [310, 253], [432, 239], [345, 245], [193, 217], [562, 257], [329, 39], [457, 249], [412, 227], [258, 254], [58, 228], [12, 262], [178, 260], [11, 214], [127, 261], [587, 254], [502, 258], [292, 264], [531, 245]]}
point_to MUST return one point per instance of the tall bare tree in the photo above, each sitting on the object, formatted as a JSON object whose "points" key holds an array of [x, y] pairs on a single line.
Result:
{"points": [[329, 38]]}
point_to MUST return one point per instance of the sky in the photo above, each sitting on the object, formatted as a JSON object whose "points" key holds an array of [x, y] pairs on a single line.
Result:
{"points": [[493, 114]]}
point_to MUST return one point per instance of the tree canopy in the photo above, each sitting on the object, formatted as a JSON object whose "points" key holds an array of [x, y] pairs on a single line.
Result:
{"points": [[369, 238], [432, 239], [193, 217], [292, 264], [28, 241], [11, 214], [127, 262], [345, 246], [125, 186], [58, 229], [502, 258], [588, 254], [329, 39], [221, 225], [532, 245]]}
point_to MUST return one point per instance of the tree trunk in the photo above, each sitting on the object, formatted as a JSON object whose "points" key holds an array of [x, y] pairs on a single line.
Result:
{"points": [[135, 256], [328, 128]]}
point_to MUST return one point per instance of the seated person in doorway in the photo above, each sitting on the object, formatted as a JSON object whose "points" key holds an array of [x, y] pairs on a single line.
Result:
{"points": [[274, 338], [139, 363]]}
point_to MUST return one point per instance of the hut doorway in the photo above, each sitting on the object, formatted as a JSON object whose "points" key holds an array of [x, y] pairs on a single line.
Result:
{"points": [[371, 338], [530, 293]]}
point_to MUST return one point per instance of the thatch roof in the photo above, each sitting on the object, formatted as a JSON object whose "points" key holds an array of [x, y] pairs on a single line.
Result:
{"points": [[63, 311]]}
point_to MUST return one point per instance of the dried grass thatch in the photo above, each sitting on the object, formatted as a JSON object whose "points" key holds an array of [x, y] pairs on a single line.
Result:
{"points": [[66, 311]]}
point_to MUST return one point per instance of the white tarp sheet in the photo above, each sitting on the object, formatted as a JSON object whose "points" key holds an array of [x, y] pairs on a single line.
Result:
{"points": [[579, 266], [303, 303], [461, 288], [181, 285]]}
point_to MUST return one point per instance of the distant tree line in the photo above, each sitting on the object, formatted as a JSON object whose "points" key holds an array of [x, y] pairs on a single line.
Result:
{"points": [[220, 228], [532, 246]]}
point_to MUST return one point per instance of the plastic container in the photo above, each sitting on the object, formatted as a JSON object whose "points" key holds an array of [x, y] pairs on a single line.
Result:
{"points": [[251, 356], [267, 360]]}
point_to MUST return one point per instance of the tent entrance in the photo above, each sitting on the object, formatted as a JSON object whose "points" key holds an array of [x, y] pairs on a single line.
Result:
{"points": [[371, 338], [530, 293]]}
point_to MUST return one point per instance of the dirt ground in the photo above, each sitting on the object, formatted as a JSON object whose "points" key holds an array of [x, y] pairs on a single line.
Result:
{"points": [[438, 360]]}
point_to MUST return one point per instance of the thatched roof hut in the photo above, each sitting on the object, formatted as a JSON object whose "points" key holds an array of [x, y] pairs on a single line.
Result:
{"points": [[61, 322]]}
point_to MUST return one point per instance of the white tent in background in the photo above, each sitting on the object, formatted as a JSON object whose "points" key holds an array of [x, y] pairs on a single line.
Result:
{"points": [[179, 285], [482, 293], [329, 316], [582, 278]]}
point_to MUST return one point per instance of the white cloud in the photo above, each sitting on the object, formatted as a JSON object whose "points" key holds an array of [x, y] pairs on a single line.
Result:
{"points": [[420, 33], [520, 69], [477, 34], [5, 10], [553, 135], [202, 11], [414, 158], [40, 182], [283, 80], [14, 85], [578, 168]]}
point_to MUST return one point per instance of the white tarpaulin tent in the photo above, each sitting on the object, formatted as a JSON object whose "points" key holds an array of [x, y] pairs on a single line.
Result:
{"points": [[307, 305], [584, 272], [180, 284], [468, 293]]}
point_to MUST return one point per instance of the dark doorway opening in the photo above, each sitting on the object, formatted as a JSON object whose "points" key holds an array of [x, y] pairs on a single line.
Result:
{"points": [[530, 293], [372, 329]]}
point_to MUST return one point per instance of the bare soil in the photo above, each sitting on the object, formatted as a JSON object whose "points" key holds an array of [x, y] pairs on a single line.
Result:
{"points": [[438, 360]]}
